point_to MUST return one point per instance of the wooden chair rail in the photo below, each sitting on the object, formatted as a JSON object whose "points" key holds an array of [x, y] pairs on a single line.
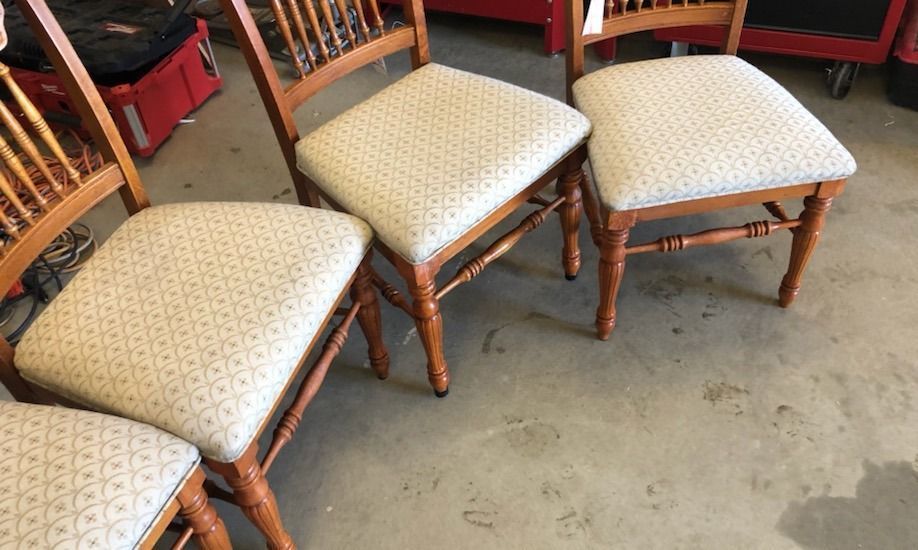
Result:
{"points": [[291, 418], [776, 209], [391, 294], [662, 15], [539, 200], [750, 230], [498, 248]]}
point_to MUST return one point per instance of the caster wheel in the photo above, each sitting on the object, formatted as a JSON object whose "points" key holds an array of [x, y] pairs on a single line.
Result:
{"points": [[840, 78]]}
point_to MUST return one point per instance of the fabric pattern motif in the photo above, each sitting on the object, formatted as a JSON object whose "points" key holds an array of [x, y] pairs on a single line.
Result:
{"points": [[191, 317], [76, 479], [433, 154], [677, 129]]}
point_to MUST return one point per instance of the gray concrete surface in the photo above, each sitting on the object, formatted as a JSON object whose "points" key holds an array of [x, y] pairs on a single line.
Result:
{"points": [[712, 418]]}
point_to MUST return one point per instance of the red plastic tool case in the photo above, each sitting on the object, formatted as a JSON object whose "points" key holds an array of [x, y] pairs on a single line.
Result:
{"points": [[145, 111]]}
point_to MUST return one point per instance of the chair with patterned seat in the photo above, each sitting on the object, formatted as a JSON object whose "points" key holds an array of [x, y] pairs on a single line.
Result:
{"points": [[680, 136], [79, 479], [195, 318], [432, 162]]}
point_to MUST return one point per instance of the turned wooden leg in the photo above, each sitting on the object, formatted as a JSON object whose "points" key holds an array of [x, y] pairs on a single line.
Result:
{"points": [[611, 269], [570, 211], [805, 238], [208, 530], [426, 308], [362, 292], [253, 495], [591, 208]]}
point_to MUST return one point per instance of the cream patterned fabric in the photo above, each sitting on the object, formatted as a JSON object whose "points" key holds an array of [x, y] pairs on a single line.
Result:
{"points": [[191, 317], [75, 479], [436, 152], [677, 129]]}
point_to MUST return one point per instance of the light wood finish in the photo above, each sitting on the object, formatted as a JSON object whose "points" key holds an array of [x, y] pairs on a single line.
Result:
{"points": [[370, 319], [420, 279], [42, 214], [202, 524], [206, 527], [611, 230], [805, 238], [254, 496]]}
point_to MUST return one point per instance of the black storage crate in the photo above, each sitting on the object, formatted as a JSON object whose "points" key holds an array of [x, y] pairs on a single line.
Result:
{"points": [[117, 41]]}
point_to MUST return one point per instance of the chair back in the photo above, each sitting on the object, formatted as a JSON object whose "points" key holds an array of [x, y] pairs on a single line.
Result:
{"points": [[310, 27], [42, 191], [621, 17]]}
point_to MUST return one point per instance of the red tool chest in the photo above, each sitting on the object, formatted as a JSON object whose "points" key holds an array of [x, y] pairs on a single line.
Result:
{"points": [[146, 111], [849, 32]]}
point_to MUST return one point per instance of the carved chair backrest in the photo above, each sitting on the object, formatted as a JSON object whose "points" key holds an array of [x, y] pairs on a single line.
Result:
{"points": [[621, 17], [306, 25], [42, 191]]}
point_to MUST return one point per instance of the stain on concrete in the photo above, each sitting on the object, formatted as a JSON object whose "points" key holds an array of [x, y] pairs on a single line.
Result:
{"points": [[882, 514], [568, 471], [791, 423], [531, 438], [187, 186], [235, 150], [722, 392], [479, 518], [765, 250], [713, 307], [665, 291], [549, 491], [489, 338], [570, 525]]}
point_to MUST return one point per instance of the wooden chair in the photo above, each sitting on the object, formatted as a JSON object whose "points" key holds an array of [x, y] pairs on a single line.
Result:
{"points": [[432, 162], [681, 136], [195, 318], [79, 479]]}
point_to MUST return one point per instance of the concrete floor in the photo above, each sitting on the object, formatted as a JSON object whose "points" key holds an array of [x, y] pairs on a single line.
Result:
{"points": [[711, 419]]}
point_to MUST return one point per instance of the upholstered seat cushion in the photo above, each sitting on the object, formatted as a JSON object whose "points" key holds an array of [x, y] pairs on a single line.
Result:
{"points": [[677, 129], [433, 154], [77, 479], [191, 317]]}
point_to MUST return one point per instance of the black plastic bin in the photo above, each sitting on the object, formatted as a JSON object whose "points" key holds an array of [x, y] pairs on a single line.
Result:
{"points": [[117, 41]]}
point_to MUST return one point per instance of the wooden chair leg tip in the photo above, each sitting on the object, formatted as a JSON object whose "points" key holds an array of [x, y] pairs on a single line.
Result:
{"points": [[441, 394], [381, 368], [786, 297], [604, 330]]}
